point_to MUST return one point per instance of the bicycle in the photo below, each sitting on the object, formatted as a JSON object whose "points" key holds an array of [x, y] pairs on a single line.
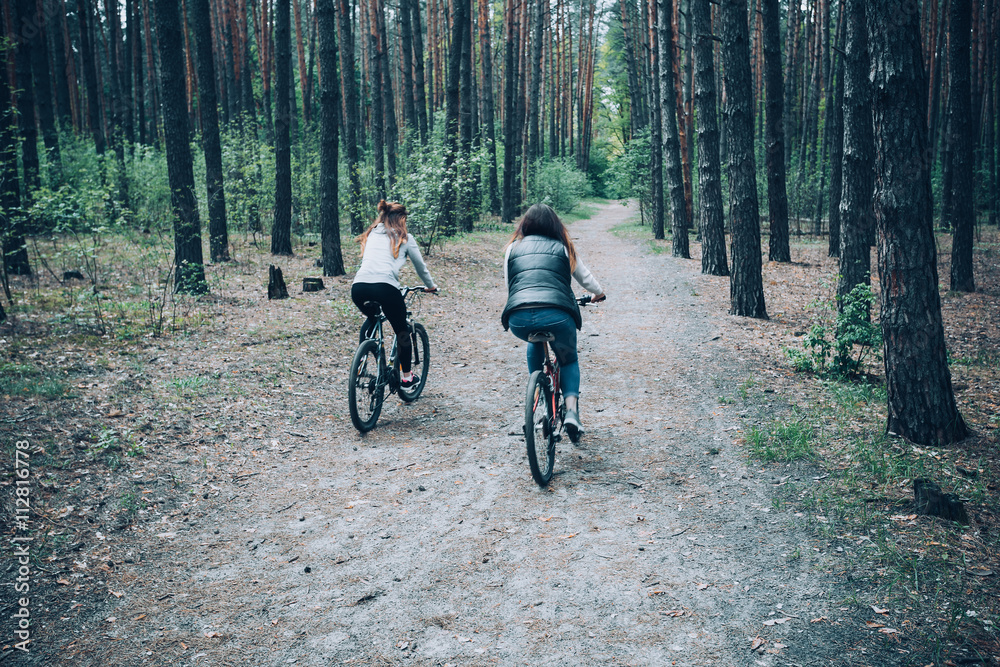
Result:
{"points": [[545, 409], [370, 374]]}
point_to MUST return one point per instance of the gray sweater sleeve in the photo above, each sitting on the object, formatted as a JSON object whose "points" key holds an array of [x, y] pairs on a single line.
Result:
{"points": [[413, 252]]}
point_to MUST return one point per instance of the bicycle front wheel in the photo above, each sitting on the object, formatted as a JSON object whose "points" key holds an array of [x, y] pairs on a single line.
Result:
{"points": [[421, 359], [538, 432], [366, 387]]}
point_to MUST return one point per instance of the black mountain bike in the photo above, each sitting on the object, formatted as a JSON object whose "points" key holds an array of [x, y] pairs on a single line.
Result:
{"points": [[371, 375], [544, 410]]}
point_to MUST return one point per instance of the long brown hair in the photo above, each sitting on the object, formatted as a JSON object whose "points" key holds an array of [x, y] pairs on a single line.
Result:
{"points": [[541, 220], [393, 216]]}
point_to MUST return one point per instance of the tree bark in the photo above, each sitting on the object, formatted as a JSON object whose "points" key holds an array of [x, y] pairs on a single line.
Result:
{"points": [[962, 138], [406, 81], [746, 288], [857, 218], [921, 402], [774, 136], [533, 152], [835, 120], [449, 195], [281, 230], [486, 58], [466, 175], [189, 270], [44, 99], [218, 235], [671, 146], [655, 122], [350, 111], [637, 118], [27, 120], [712, 224], [511, 128], [418, 71], [89, 62], [377, 115], [388, 101], [329, 109], [15, 253], [118, 107]]}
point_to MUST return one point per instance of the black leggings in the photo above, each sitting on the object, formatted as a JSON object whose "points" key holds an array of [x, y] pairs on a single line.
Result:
{"points": [[393, 306]]}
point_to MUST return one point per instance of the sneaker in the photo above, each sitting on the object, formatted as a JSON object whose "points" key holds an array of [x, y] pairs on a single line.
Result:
{"points": [[573, 425], [411, 383]]}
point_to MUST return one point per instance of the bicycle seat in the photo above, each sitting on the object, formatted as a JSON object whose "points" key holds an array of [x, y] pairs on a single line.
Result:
{"points": [[371, 308], [541, 337]]}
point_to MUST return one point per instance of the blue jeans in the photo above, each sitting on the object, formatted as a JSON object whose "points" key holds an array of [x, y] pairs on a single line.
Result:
{"points": [[560, 323]]}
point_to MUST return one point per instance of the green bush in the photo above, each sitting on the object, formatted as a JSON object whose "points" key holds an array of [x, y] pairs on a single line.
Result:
{"points": [[841, 353], [559, 184]]}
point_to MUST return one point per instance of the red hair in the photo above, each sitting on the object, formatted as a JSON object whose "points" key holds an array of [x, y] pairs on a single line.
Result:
{"points": [[393, 216]]}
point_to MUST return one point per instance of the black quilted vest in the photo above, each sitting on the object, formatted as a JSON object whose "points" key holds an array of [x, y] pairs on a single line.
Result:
{"points": [[538, 275]]}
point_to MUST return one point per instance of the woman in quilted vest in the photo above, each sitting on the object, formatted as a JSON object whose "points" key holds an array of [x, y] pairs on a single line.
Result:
{"points": [[539, 265]]}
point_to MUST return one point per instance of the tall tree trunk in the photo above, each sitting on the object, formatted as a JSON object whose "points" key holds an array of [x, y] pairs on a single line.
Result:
{"points": [[14, 257], [388, 101], [152, 80], [712, 225], [62, 67], [511, 129], [466, 172], [118, 108], [671, 146], [774, 138], [532, 154], [27, 120], [656, 106], [377, 115], [350, 111], [406, 82], [857, 218], [449, 194], [963, 212], [486, 58], [189, 269], [300, 49], [746, 287], [921, 401], [790, 82], [329, 109], [44, 100], [637, 118], [418, 71], [835, 123], [281, 229], [218, 235], [89, 61]]}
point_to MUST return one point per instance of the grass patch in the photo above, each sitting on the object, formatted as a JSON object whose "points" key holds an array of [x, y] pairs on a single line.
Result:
{"points": [[25, 381], [782, 441], [929, 571]]}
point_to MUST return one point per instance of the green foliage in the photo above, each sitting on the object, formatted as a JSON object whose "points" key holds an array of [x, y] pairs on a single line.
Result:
{"points": [[628, 175], [23, 381], [559, 184], [842, 352]]}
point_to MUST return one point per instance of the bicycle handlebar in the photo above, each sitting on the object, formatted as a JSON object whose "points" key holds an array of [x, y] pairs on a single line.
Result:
{"points": [[407, 290]]}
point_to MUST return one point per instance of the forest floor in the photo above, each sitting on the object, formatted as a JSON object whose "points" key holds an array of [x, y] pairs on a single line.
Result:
{"points": [[203, 499]]}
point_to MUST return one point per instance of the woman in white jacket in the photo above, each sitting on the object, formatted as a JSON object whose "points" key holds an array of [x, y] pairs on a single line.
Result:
{"points": [[385, 245]]}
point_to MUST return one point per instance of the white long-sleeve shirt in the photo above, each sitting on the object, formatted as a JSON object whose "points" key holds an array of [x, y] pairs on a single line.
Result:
{"points": [[581, 273], [379, 266]]}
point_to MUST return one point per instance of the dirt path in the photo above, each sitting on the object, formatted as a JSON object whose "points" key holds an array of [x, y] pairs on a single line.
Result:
{"points": [[427, 542]]}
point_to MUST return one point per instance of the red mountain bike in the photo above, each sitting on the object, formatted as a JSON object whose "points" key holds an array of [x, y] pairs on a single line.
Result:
{"points": [[544, 410]]}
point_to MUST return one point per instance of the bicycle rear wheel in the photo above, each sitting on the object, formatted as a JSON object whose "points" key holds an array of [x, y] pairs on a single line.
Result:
{"points": [[538, 433], [366, 387], [421, 358]]}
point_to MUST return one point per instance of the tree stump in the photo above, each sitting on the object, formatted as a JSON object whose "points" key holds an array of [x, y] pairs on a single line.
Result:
{"points": [[928, 499], [312, 284], [72, 275], [276, 284]]}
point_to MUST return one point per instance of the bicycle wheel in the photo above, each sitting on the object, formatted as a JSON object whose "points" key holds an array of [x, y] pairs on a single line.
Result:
{"points": [[366, 387], [421, 359], [538, 434]]}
